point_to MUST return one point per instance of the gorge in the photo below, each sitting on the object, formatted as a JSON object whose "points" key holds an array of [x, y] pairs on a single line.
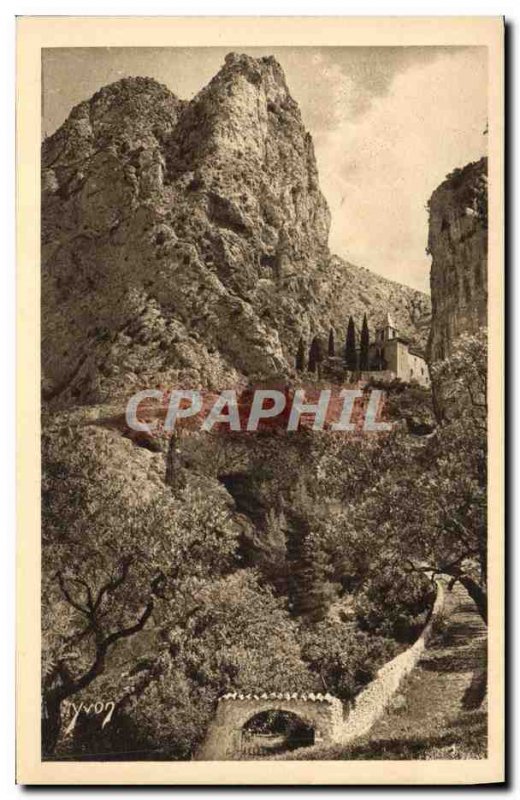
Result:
{"points": [[185, 244]]}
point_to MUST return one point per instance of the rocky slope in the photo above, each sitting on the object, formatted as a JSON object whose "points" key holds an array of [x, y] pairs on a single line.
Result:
{"points": [[458, 245], [188, 242]]}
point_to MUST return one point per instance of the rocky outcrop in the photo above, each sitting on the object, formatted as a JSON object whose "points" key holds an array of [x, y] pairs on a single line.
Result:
{"points": [[458, 246], [188, 242]]}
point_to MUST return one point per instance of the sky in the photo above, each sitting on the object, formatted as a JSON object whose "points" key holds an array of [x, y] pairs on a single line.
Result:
{"points": [[388, 125]]}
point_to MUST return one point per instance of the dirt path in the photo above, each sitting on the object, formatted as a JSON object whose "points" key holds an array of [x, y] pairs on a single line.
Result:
{"points": [[437, 713]]}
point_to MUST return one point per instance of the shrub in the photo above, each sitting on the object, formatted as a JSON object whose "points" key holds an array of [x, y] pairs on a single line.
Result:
{"points": [[394, 603], [343, 658]]}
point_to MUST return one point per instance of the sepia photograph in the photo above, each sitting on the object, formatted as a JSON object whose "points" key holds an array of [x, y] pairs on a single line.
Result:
{"points": [[264, 340]]}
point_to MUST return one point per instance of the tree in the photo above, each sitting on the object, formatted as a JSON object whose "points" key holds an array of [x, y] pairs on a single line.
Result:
{"points": [[315, 355], [460, 380], [110, 558], [350, 347], [60, 681], [240, 635], [393, 602], [222, 634], [331, 348], [300, 356], [344, 659], [310, 589], [428, 513], [365, 342], [175, 475], [412, 507]]}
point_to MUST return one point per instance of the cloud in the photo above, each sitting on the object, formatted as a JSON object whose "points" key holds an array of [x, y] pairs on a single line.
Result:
{"points": [[344, 82], [379, 168]]}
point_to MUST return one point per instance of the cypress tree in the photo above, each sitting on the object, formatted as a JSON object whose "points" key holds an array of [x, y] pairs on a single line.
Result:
{"points": [[309, 590], [365, 342], [315, 355], [331, 343], [300, 356], [350, 347]]}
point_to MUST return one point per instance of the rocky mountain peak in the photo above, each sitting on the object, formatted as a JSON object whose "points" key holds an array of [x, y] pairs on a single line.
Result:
{"points": [[116, 116], [264, 73], [188, 241]]}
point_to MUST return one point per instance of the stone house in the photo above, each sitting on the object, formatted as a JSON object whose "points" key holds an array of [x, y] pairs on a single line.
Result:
{"points": [[393, 354]]}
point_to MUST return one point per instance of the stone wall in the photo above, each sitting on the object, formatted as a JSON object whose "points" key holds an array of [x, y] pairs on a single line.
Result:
{"points": [[418, 369], [383, 375], [372, 701], [419, 375]]}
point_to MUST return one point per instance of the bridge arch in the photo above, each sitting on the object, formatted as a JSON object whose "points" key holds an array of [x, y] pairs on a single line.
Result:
{"points": [[269, 732], [224, 739]]}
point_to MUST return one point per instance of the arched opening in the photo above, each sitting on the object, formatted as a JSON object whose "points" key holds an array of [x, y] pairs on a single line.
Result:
{"points": [[275, 732]]}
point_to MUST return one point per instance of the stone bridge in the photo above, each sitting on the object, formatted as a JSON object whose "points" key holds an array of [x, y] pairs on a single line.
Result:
{"points": [[322, 713]]}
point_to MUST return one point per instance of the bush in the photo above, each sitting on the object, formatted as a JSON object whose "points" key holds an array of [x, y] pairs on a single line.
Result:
{"points": [[344, 659], [394, 603]]}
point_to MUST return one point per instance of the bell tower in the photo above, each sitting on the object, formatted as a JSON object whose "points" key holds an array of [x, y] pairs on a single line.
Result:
{"points": [[387, 331]]}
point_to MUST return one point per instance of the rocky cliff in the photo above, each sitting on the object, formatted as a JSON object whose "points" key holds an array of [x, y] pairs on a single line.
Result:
{"points": [[188, 242], [458, 246]]}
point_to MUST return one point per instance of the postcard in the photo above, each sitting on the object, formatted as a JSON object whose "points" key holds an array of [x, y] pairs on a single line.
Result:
{"points": [[260, 400]]}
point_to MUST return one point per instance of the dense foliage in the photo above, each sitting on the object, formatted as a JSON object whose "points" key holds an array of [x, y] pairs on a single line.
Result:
{"points": [[282, 563]]}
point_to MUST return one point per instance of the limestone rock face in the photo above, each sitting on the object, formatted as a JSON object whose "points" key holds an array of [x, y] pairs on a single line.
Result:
{"points": [[188, 242], [458, 245]]}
